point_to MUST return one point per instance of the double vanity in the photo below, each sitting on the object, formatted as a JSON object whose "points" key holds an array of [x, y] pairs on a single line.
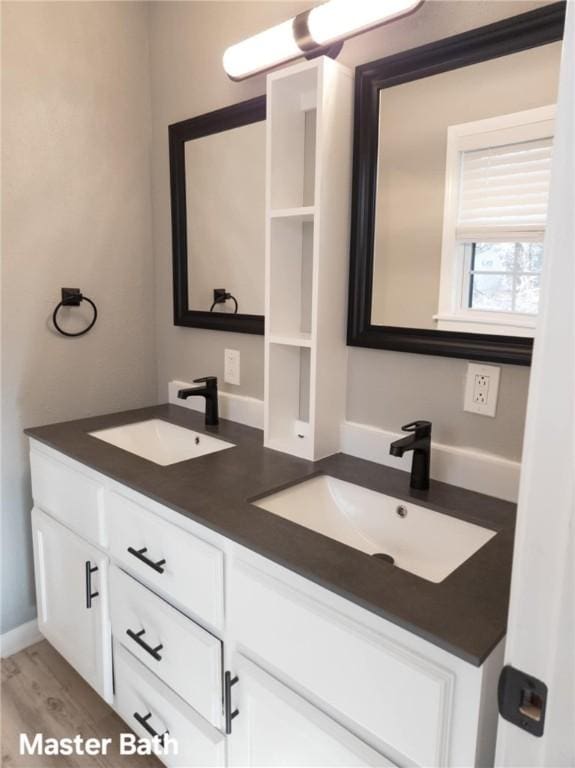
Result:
{"points": [[261, 609]]}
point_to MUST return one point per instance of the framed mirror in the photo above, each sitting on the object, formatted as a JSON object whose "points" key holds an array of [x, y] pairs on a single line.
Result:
{"points": [[452, 153], [217, 176]]}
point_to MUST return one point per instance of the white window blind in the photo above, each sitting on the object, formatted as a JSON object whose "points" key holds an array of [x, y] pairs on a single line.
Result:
{"points": [[503, 191]]}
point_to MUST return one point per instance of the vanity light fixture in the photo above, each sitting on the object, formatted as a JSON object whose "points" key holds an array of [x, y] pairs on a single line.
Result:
{"points": [[320, 30]]}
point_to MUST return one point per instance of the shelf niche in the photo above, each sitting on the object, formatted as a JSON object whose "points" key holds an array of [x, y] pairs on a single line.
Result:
{"points": [[292, 161], [291, 277], [289, 390]]}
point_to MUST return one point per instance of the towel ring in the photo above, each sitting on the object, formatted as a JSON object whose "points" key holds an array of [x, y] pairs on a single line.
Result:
{"points": [[72, 297]]}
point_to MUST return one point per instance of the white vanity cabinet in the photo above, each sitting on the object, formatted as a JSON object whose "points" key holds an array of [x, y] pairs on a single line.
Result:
{"points": [[320, 680], [72, 597]]}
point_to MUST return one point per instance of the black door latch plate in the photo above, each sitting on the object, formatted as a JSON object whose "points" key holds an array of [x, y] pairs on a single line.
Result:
{"points": [[522, 700]]}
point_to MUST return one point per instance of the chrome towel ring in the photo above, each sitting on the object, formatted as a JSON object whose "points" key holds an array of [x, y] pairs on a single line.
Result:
{"points": [[72, 297]]}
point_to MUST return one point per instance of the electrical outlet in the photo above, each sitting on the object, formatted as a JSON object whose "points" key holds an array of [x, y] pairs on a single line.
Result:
{"points": [[480, 394], [232, 366], [482, 389]]}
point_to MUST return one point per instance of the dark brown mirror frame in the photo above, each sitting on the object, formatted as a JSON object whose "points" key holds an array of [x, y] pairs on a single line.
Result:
{"points": [[244, 113], [518, 33]]}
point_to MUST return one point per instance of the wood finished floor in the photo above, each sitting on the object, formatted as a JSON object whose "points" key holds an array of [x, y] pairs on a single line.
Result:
{"points": [[41, 693]]}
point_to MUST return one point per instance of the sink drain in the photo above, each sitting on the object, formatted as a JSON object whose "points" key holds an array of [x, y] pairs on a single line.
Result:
{"points": [[384, 556]]}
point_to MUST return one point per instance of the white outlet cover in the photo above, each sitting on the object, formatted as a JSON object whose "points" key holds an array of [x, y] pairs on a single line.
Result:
{"points": [[232, 366], [482, 389]]}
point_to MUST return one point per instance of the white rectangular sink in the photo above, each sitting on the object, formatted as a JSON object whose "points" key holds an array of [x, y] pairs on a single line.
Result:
{"points": [[427, 543], [161, 442]]}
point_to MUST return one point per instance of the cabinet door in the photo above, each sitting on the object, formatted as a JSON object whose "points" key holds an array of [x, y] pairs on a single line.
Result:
{"points": [[277, 727], [72, 594]]}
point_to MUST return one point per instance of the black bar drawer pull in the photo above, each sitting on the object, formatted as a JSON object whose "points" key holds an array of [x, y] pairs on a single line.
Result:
{"points": [[137, 638], [143, 720], [139, 553], [228, 682], [89, 594]]}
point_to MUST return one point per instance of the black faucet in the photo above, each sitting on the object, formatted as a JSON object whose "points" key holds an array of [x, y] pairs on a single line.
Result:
{"points": [[418, 441], [210, 393]]}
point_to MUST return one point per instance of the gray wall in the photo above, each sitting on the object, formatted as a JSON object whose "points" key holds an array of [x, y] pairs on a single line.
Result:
{"points": [[385, 389], [76, 211]]}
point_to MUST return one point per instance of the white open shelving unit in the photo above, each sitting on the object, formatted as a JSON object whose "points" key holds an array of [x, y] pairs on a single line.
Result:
{"points": [[308, 186]]}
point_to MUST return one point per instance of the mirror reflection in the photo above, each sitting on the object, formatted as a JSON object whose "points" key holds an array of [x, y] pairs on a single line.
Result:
{"points": [[225, 205], [462, 196]]}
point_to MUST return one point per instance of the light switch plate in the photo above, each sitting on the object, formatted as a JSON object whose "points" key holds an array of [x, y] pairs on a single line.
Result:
{"points": [[232, 366], [482, 389]]}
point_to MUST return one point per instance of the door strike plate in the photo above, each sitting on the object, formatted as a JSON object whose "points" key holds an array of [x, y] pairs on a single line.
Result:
{"points": [[522, 700]]}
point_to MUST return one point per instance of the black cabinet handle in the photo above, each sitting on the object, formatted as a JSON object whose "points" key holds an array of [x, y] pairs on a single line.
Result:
{"points": [[143, 720], [89, 594], [137, 638], [139, 553], [228, 682]]}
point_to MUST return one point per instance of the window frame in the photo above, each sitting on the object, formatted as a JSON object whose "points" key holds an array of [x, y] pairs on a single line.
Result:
{"points": [[453, 315]]}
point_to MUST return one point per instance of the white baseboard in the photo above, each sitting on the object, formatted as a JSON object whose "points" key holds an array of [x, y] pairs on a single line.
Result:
{"points": [[240, 408], [475, 470], [19, 638]]}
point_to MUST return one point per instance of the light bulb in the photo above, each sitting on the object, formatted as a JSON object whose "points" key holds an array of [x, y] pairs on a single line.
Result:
{"points": [[267, 49], [337, 19]]}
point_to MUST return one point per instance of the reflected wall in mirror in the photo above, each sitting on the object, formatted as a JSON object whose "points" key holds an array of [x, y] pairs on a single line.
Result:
{"points": [[225, 194], [465, 116], [452, 165], [217, 167]]}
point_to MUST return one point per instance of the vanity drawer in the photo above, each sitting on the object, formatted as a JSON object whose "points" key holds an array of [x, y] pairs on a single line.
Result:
{"points": [[180, 652], [382, 688], [187, 570], [139, 692], [68, 496]]}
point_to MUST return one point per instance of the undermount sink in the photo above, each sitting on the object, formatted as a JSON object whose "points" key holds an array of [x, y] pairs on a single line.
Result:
{"points": [[429, 544], [161, 442]]}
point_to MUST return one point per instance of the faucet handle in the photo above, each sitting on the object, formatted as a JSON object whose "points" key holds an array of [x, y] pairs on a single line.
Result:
{"points": [[420, 427], [209, 380]]}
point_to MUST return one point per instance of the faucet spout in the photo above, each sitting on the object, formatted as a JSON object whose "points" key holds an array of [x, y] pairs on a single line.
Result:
{"points": [[409, 443]]}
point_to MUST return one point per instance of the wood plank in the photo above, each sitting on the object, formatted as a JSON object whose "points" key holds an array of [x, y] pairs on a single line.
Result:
{"points": [[45, 655], [41, 693]]}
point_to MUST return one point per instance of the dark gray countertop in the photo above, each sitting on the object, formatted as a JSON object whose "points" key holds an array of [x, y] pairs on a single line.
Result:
{"points": [[466, 614]]}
